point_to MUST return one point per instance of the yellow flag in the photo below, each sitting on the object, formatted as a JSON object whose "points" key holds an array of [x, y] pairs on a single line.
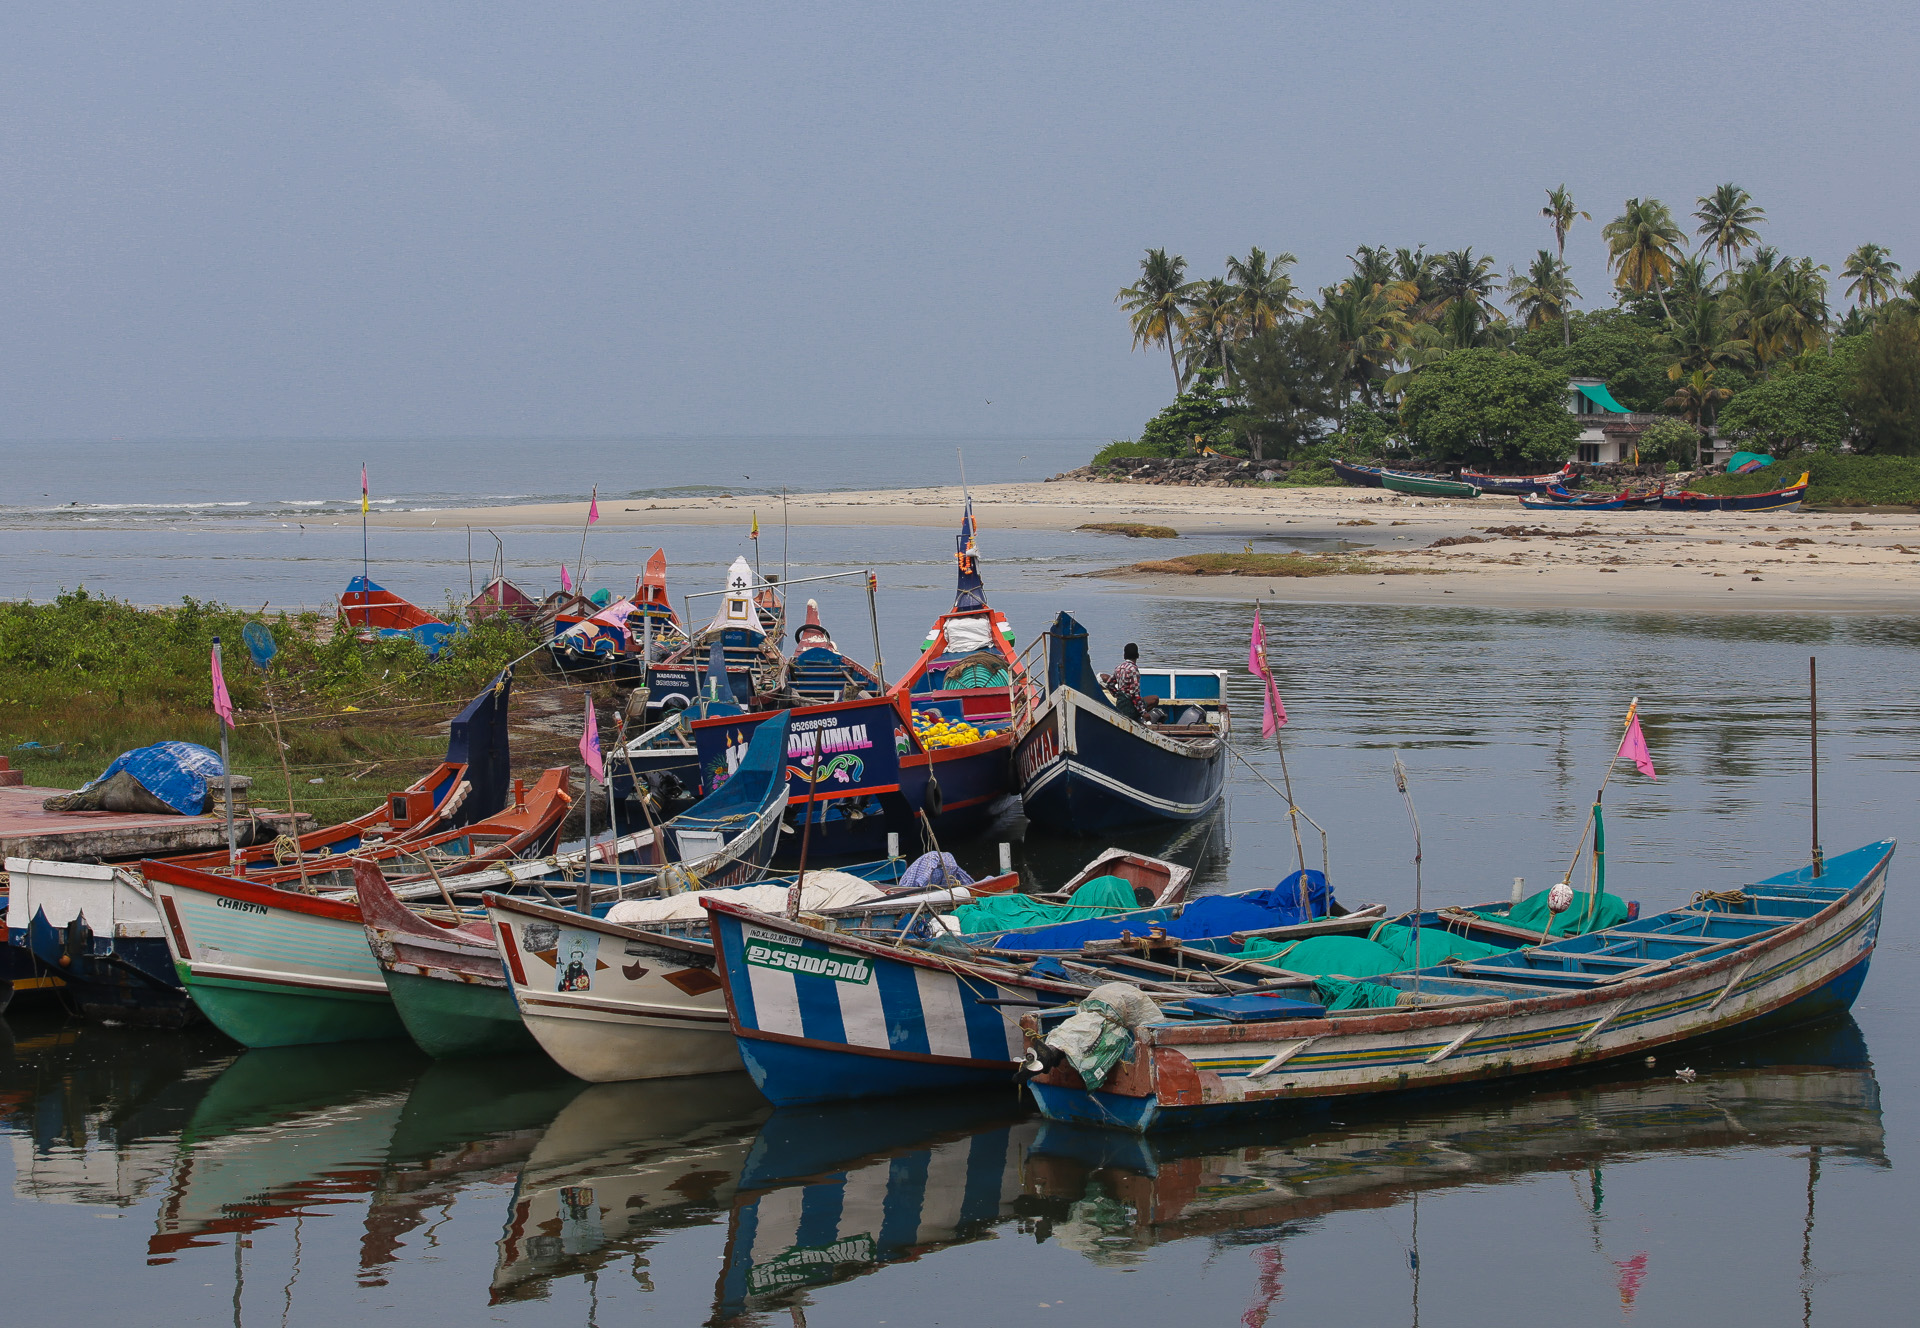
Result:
{"points": [[363, 489], [755, 533]]}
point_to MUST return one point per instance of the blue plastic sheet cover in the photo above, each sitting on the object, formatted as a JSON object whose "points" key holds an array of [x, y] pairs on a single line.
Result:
{"points": [[1210, 915], [174, 772]]}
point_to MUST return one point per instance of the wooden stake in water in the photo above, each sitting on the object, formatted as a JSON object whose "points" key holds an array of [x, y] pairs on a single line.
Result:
{"points": [[1400, 782], [1813, 740]]}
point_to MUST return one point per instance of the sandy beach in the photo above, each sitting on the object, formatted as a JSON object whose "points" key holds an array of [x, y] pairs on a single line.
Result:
{"points": [[1504, 556]]}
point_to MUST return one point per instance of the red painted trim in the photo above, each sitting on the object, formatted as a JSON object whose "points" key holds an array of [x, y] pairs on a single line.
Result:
{"points": [[190, 878], [173, 925], [512, 952]]}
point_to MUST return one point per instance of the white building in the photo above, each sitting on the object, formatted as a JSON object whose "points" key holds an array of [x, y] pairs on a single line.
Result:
{"points": [[1609, 432]]}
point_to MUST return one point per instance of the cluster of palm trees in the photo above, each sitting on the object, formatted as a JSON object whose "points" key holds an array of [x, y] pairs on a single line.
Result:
{"points": [[1726, 301]]}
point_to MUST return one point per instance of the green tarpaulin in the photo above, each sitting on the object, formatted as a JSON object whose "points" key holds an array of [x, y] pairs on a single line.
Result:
{"points": [[1437, 945], [1589, 912], [1096, 899], [1602, 398]]}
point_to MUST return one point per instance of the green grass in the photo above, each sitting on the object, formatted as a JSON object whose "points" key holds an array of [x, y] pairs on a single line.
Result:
{"points": [[89, 678], [1122, 447], [1833, 481], [1131, 529], [1270, 564]]}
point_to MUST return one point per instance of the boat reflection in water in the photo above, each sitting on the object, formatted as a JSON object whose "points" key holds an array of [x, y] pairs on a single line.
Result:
{"points": [[830, 1193], [289, 1132], [621, 1164]]}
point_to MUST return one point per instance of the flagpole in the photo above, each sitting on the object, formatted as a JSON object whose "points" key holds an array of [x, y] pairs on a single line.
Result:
{"points": [[1279, 745], [1580, 844], [226, 767], [784, 528], [581, 565], [583, 892], [366, 577], [1813, 738]]}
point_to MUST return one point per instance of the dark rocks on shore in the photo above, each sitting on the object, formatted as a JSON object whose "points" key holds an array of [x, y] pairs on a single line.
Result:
{"points": [[1216, 472]]}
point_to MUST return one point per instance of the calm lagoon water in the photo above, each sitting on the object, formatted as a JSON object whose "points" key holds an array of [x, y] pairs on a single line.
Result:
{"points": [[314, 1185]]}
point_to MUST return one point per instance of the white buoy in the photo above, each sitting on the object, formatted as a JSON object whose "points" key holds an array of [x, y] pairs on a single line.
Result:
{"points": [[1006, 859], [1560, 898], [1519, 888], [893, 843]]}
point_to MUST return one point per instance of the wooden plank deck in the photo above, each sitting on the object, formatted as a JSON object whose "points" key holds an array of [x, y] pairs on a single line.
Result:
{"points": [[26, 831]]}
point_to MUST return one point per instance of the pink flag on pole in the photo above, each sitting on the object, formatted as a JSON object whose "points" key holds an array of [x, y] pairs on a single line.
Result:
{"points": [[593, 507], [590, 745], [1273, 711], [1634, 747], [566, 582], [222, 703]]}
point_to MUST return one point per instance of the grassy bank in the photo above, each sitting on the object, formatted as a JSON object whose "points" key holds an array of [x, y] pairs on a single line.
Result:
{"points": [[89, 678], [1131, 529], [1832, 481], [1270, 564]]}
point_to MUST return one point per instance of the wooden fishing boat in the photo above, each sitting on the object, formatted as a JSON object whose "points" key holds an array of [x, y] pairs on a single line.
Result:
{"points": [[374, 611], [745, 633], [936, 742], [1556, 499], [1516, 485], [826, 1016], [1786, 950], [819, 671], [274, 967], [617, 641], [473, 781], [1776, 500], [502, 597], [1083, 766], [1365, 477], [445, 973], [1426, 486]]}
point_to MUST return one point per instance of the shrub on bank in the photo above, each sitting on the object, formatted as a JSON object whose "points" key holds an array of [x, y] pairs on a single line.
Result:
{"points": [[1832, 480]]}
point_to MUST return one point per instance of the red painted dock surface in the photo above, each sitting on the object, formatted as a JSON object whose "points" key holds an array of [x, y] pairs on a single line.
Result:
{"points": [[28, 832]]}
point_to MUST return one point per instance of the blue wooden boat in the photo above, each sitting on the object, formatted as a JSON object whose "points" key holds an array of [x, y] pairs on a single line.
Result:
{"points": [[1366, 477], [819, 671], [1776, 500], [617, 641], [1085, 767], [1786, 950], [832, 1016]]}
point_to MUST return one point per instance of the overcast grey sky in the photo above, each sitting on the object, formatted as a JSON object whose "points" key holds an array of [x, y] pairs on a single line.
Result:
{"points": [[391, 219]]}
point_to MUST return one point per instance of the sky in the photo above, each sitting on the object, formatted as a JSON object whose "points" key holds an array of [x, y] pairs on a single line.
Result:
{"points": [[437, 220]]}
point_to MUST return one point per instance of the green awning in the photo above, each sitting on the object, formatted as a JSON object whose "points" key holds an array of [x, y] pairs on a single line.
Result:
{"points": [[1602, 398]]}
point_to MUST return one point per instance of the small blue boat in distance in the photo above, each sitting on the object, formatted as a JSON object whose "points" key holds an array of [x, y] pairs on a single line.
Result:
{"points": [[1084, 766]]}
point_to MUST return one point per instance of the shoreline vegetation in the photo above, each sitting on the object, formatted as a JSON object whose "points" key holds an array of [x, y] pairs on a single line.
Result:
{"points": [[90, 677], [1414, 360]]}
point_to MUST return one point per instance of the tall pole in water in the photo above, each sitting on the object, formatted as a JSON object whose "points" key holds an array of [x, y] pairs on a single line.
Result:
{"points": [[1813, 739], [366, 577], [783, 537], [226, 767], [1400, 780]]}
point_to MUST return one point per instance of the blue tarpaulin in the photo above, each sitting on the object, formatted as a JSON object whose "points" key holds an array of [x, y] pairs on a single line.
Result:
{"points": [[1210, 915], [174, 772]]}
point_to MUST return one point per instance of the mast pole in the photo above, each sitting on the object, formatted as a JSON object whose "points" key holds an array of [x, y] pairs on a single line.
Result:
{"points": [[1813, 741]]}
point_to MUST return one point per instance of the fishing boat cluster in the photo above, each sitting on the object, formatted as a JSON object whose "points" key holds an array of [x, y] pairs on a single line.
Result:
{"points": [[763, 912], [1550, 492]]}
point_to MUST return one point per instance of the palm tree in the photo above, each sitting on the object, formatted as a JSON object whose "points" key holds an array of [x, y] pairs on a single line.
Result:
{"points": [[1266, 291], [1692, 282], [1872, 269], [1372, 266], [1560, 213], [1697, 399], [1642, 246], [1800, 312], [1702, 344], [1460, 278], [1751, 306], [1212, 321], [1154, 305], [1367, 326], [1543, 293], [1727, 219]]}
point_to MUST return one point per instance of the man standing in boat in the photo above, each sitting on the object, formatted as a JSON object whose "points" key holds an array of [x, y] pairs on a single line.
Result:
{"points": [[1124, 682]]}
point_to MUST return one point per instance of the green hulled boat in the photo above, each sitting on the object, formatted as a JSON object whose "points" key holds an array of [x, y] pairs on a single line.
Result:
{"points": [[1423, 486], [449, 1016]]}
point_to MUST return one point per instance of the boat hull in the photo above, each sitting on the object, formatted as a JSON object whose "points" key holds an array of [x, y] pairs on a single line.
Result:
{"points": [[1083, 768], [821, 1018], [450, 1018], [1418, 487], [272, 968], [1182, 1076], [612, 1003]]}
